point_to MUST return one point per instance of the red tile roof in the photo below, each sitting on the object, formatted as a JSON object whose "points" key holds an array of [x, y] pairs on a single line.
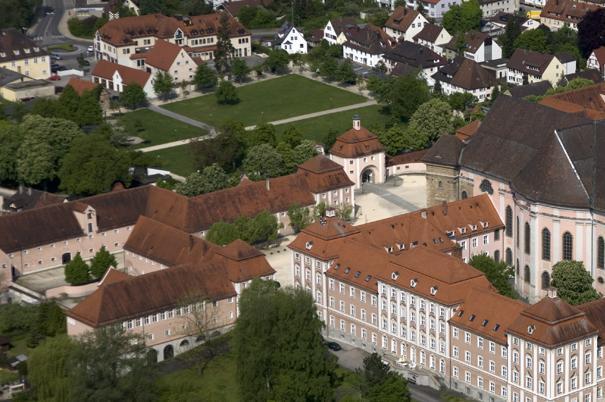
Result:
{"points": [[355, 143], [80, 86], [401, 18], [106, 70], [162, 55]]}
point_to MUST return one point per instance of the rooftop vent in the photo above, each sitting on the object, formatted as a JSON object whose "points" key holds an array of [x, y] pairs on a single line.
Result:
{"points": [[531, 328], [413, 283], [309, 245]]}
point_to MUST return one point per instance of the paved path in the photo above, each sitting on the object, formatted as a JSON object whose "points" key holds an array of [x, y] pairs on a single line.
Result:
{"points": [[383, 192], [212, 130]]}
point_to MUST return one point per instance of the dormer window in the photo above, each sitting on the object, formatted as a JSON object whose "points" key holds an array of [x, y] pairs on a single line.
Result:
{"points": [[531, 328], [450, 233], [413, 283], [368, 277], [36, 49], [496, 327], [347, 270], [462, 230], [471, 317], [484, 224], [434, 290], [2, 54], [473, 227], [484, 323], [395, 275], [309, 245], [357, 274], [16, 52], [27, 51]]}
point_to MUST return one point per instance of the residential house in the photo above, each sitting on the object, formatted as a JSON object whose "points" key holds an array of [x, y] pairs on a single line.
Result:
{"points": [[412, 57], [404, 23], [433, 37], [22, 55], [568, 61], [498, 68], [434, 9], [559, 13], [334, 31], [490, 8], [465, 76], [366, 45], [477, 46], [166, 57], [291, 40], [360, 154], [496, 25], [118, 40], [115, 77], [527, 67], [588, 102], [15, 87], [523, 91], [596, 60]]}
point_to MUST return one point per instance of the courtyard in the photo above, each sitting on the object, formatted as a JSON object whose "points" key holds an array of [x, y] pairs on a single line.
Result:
{"points": [[266, 101]]}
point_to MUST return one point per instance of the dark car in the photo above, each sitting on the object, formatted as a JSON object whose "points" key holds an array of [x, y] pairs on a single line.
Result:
{"points": [[333, 346]]}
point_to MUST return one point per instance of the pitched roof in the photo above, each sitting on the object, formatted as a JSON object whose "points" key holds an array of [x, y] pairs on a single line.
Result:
{"points": [[80, 85], [342, 23], [156, 291], [487, 313], [466, 74], [535, 89], [415, 55], [445, 151], [401, 18], [323, 174], [162, 55], [472, 41], [106, 70], [588, 101], [429, 33], [530, 62], [367, 38], [28, 198], [14, 45], [124, 31], [600, 55], [568, 11], [464, 133], [355, 143], [595, 312], [406, 157], [552, 322]]}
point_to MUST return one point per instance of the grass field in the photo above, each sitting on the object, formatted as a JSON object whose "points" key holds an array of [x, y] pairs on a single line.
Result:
{"points": [[156, 128], [316, 128], [178, 160], [268, 101]]}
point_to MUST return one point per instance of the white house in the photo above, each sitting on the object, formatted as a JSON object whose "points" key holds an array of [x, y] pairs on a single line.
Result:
{"points": [[596, 60], [366, 45], [527, 67], [408, 57], [116, 77], [465, 76], [334, 30], [569, 62], [433, 37], [478, 46], [291, 40], [404, 23], [168, 58], [433, 8]]}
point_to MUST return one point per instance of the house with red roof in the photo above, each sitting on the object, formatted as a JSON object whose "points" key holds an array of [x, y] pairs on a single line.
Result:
{"points": [[116, 77], [596, 60], [168, 58]]}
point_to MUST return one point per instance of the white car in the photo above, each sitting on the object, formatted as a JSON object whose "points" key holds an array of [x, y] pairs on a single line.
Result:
{"points": [[90, 49]]}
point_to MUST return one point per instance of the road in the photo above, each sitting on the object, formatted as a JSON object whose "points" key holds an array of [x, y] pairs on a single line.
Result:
{"points": [[47, 28]]}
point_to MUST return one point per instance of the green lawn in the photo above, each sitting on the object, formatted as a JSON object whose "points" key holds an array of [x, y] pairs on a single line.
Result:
{"points": [[270, 100], [316, 128], [156, 128], [217, 383], [178, 160]]}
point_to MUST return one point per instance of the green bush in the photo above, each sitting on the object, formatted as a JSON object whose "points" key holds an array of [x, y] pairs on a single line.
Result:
{"points": [[85, 28], [77, 271]]}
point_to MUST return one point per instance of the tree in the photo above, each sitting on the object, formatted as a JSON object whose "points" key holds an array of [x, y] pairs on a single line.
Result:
{"points": [[497, 273], [10, 138], [399, 138], [279, 348], [263, 133], [402, 95], [277, 62], [346, 74], [591, 31], [45, 143], [463, 18], [511, 32], [533, 39], [48, 369], [430, 121], [205, 78], [226, 149], [573, 282], [77, 271], [163, 84], [93, 165], [101, 262], [380, 384], [461, 101], [133, 97], [211, 178], [300, 217], [263, 227], [240, 70], [226, 94], [224, 48], [222, 233], [329, 69], [291, 136], [111, 365], [262, 162]]}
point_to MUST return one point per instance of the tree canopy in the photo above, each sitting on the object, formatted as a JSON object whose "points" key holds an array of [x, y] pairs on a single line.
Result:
{"points": [[227, 149], [211, 178], [163, 85], [573, 282], [463, 18], [431, 120], [498, 274], [226, 94], [205, 78], [279, 348], [77, 271], [133, 97], [261, 228], [380, 383], [401, 95], [591, 31], [101, 262]]}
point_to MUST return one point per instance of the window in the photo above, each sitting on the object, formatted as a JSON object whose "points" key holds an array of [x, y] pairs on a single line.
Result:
{"points": [[574, 362], [559, 367], [567, 246], [509, 221], [467, 356], [545, 280], [455, 372], [601, 252], [492, 347], [455, 332], [541, 367], [467, 376], [497, 255], [546, 244], [527, 238], [467, 337], [526, 274], [517, 233], [509, 257]]}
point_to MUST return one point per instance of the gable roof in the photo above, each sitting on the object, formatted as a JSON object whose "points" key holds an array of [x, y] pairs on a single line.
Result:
{"points": [[466, 74], [401, 18], [472, 41], [445, 151], [368, 38], [14, 45], [568, 11], [341, 24], [162, 55], [588, 101], [600, 55], [429, 33], [464, 133], [414, 55], [106, 70], [80, 85], [530, 62], [535, 89]]}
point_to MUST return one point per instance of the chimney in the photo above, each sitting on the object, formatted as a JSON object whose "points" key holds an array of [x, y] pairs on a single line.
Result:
{"points": [[423, 214], [551, 292], [330, 212], [356, 122], [268, 184], [444, 206]]}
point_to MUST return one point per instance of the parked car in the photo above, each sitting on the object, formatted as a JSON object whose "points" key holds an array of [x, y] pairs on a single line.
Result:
{"points": [[54, 77], [333, 346], [55, 57], [91, 49]]}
